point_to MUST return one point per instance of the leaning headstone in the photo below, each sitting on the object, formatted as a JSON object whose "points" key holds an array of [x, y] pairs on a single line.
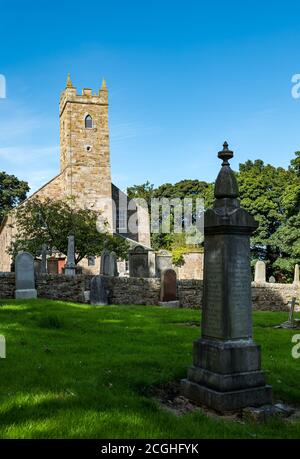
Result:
{"points": [[139, 262], [25, 281], [296, 275], [226, 374], [70, 269], [260, 272], [168, 290], [105, 264], [163, 261], [272, 280], [99, 291]]}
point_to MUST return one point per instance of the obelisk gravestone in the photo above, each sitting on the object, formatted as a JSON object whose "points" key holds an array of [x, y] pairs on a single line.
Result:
{"points": [[226, 373], [70, 269]]}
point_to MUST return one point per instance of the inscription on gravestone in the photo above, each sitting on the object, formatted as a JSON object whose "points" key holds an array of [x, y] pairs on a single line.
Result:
{"points": [[226, 373]]}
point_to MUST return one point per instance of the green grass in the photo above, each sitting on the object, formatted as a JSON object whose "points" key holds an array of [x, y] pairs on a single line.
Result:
{"points": [[78, 371]]}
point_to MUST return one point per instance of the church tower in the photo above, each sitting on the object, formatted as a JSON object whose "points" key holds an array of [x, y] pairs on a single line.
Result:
{"points": [[84, 148]]}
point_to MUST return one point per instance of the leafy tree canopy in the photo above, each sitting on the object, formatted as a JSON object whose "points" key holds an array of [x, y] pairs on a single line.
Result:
{"points": [[51, 222], [12, 192]]}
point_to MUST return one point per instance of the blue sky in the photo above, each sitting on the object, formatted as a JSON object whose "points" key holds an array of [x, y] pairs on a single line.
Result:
{"points": [[182, 78]]}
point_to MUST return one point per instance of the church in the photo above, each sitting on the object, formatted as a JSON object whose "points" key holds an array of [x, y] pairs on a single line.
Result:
{"points": [[85, 172]]}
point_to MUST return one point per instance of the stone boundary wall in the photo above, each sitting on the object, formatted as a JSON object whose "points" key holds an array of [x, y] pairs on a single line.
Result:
{"points": [[126, 290]]}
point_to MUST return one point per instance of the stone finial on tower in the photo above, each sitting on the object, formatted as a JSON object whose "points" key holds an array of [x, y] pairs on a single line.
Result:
{"points": [[226, 185], [103, 87], [69, 82]]}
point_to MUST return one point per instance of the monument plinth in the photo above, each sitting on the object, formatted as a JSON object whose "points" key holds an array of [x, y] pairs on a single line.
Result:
{"points": [[226, 373]]}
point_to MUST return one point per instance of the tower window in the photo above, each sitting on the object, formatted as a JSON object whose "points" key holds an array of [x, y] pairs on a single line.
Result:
{"points": [[88, 122]]}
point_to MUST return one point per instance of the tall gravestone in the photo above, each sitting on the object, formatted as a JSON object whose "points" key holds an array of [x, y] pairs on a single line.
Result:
{"points": [[226, 372], [260, 272], [168, 290], [139, 262], [113, 265], [70, 269], [105, 264], [25, 280], [99, 291]]}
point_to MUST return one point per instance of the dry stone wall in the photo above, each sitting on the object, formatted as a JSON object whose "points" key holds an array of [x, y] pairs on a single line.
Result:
{"points": [[126, 290]]}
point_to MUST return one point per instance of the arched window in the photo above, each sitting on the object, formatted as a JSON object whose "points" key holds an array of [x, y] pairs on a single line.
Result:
{"points": [[88, 122]]}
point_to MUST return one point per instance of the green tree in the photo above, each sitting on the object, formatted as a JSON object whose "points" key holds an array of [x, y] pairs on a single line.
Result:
{"points": [[261, 188], [51, 222], [12, 192], [144, 191], [183, 189]]}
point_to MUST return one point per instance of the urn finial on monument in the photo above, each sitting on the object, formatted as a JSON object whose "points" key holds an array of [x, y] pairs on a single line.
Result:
{"points": [[226, 185]]}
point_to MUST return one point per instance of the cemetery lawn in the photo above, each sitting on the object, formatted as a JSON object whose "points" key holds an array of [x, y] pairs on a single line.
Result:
{"points": [[76, 371]]}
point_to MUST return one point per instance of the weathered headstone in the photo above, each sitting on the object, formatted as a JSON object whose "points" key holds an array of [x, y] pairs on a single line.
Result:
{"points": [[292, 304], [226, 374], [168, 290], [260, 272], [113, 264], [272, 280], [25, 280], [99, 291], [70, 269], [296, 275], [105, 263], [163, 261], [139, 262]]}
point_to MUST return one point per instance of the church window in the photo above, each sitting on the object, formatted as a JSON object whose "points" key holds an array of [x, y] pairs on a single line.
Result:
{"points": [[88, 122], [122, 220]]}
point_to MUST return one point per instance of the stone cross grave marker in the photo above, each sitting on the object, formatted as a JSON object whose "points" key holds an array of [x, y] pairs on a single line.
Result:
{"points": [[25, 280], [43, 253], [226, 373]]}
